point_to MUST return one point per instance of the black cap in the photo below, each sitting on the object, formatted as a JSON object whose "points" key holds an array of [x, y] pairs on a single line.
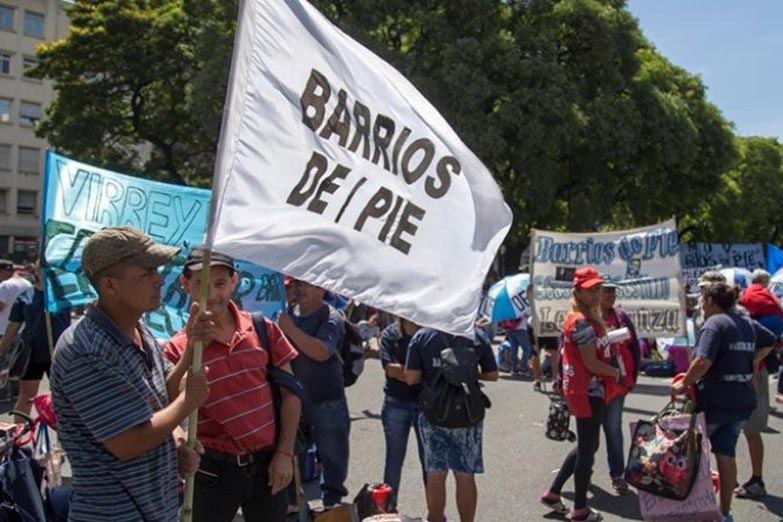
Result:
{"points": [[6, 264], [195, 260]]}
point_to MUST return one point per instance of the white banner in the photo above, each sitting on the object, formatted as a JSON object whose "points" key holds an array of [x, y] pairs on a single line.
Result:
{"points": [[697, 258], [644, 263], [334, 169]]}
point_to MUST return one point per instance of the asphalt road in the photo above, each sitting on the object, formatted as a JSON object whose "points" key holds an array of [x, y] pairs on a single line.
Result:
{"points": [[520, 461]]}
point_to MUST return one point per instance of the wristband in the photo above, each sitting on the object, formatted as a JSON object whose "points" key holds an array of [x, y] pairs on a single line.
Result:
{"points": [[289, 455]]}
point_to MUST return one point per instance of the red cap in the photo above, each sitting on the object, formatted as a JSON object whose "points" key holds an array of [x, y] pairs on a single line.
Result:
{"points": [[587, 277]]}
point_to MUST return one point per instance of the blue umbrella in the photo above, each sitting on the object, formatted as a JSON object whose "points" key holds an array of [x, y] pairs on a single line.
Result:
{"points": [[507, 298]]}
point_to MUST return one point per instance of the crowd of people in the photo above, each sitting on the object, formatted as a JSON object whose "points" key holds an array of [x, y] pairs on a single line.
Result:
{"points": [[121, 398]]}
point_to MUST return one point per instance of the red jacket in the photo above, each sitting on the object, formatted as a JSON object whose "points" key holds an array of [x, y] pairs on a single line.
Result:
{"points": [[576, 376], [759, 301]]}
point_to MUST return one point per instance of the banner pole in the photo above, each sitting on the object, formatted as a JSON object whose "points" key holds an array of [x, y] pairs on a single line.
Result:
{"points": [[198, 350]]}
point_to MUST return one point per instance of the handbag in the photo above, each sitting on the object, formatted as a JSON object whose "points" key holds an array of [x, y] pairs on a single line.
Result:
{"points": [[664, 460], [558, 420], [702, 503]]}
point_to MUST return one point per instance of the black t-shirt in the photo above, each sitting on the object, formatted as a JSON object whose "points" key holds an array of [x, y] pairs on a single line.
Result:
{"points": [[394, 349], [425, 347], [29, 310]]}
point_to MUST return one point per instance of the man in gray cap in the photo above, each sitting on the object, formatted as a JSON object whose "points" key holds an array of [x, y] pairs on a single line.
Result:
{"points": [[118, 401]]}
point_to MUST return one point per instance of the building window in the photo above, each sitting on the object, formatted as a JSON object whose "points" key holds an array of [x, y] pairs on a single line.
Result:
{"points": [[5, 157], [6, 59], [3, 201], [29, 160], [4, 245], [26, 202], [33, 24], [5, 110], [29, 114], [7, 17], [27, 64]]}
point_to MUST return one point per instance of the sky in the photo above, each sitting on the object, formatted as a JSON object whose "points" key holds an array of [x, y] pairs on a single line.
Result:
{"points": [[736, 46]]}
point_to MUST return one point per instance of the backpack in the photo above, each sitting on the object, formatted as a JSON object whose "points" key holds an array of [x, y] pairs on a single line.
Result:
{"points": [[281, 379], [454, 398], [351, 349]]}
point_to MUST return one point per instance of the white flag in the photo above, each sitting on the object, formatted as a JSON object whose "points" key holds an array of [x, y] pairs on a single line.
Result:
{"points": [[334, 169]]}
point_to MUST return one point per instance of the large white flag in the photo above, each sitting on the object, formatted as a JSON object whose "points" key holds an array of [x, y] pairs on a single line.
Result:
{"points": [[334, 169]]}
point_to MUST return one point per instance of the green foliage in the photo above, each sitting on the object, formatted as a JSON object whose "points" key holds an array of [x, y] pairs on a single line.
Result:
{"points": [[583, 123]]}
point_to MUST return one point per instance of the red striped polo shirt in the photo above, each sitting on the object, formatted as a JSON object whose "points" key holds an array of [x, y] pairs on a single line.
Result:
{"points": [[238, 416]]}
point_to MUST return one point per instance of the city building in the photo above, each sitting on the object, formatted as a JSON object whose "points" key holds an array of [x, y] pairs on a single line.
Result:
{"points": [[24, 24]]}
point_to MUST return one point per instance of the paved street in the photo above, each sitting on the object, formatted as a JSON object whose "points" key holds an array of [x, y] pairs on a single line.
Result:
{"points": [[520, 461]]}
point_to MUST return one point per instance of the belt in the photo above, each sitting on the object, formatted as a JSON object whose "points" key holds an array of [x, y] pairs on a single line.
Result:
{"points": [[240, 461]]}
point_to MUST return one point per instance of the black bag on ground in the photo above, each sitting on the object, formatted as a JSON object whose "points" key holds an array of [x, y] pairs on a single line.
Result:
{"points": [[455, 399], [375, 499], [282, 379], [559, 420]]}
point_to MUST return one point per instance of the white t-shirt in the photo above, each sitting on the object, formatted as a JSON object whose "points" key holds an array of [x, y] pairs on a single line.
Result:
{"points": [[10, 289]]}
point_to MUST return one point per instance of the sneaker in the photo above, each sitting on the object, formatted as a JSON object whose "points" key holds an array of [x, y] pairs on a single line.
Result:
{"points": [[751, 489], [620, 486], [587, 516], [505, 368], [555, 504]]}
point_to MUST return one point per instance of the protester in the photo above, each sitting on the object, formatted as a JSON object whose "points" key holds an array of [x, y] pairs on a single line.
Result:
{"points": [[516, 338], [29, 312], [400, 411], [118, 400], [729, 344], [247, 462], [626, 355], [457, 449], [12, 285], [316, 331], [585, 369], [545, 351], [765, 308]]}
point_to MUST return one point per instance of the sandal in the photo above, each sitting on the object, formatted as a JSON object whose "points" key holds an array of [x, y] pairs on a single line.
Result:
{"points": [[554, 505], [537, 386], [589, 516]]}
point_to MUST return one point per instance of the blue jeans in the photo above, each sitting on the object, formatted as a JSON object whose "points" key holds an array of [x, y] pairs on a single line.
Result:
{"points": [[398, 417], [613, 430], [331, 434], [519, 339]]}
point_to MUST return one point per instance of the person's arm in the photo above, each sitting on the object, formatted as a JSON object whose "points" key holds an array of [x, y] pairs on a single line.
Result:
{"points": [[281, 469], [10, 333], [698, 369], [312, 347], [197, 329], [765, 343], [146, 436], [413, 362], [412, 377], [596, 366], [392, 368], [487, 363]]}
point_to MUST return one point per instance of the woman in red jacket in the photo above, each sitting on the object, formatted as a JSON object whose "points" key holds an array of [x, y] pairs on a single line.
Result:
{"points": [[585, 369]]}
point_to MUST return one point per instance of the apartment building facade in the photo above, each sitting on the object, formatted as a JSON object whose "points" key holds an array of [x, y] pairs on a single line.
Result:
{"points": [[24, 24]]}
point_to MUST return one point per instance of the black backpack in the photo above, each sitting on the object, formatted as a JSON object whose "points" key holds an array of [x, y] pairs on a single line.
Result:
{"points": [[351, 349], [281, 379], [454, 399]]}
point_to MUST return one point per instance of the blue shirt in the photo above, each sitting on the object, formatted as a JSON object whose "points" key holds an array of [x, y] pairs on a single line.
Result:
{"points": [[394, 349], [730, 341], [323, 380], [29, 310], [425, 347], [103, 384]]}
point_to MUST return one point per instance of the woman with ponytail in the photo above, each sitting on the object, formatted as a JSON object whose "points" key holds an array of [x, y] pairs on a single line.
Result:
{"points": [[585, 368]]}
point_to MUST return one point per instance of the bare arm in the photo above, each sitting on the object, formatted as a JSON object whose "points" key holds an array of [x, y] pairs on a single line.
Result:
{"points": [[412, 377], [696, 371], [290, 411], [10, 333], [311, 346], [395, 371], [490, 376], [595, 366], [760, 355]]}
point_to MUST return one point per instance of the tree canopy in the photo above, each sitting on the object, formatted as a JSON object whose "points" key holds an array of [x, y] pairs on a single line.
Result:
{"points": [[585, 125]]}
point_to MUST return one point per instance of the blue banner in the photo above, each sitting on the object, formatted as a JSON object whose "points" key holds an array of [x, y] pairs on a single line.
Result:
{"points": [[80, 199], [774, 258]]}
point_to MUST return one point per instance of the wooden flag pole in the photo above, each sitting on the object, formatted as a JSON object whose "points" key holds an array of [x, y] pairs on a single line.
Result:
{"points": [[198, 349]]}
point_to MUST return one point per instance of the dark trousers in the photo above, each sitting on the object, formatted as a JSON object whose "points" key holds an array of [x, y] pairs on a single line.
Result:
{"points": [[222, 487], [579, 462]]}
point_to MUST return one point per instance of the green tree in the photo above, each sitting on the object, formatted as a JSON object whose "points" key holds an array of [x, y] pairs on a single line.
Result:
{"points": [[140, 85]]}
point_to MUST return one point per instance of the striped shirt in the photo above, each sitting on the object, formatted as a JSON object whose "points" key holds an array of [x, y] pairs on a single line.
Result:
{"points": [[103, 384], [238, 416]]}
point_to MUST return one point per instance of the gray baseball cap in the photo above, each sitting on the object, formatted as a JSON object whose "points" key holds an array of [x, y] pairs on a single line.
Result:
{"points": [[114, 245]]}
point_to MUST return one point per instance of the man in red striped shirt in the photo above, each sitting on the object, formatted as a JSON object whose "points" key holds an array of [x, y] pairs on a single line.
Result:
{"points": [[243, 465]]}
